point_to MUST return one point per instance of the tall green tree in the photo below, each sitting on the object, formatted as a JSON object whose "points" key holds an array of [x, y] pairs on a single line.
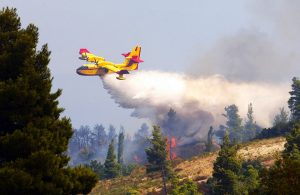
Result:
{"points": [[250, 126], [111, 167], [209, 143], [294, 101], [229, 176], [234, 123], [33, 136], [157, 155], [121, 148], [226, 170]]}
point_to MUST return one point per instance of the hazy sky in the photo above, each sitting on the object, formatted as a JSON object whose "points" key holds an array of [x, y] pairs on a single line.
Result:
{"points": [[172, 33]]}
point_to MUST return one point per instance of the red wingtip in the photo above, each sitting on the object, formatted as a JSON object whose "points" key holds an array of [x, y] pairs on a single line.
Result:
{"points": [[83, 50]]}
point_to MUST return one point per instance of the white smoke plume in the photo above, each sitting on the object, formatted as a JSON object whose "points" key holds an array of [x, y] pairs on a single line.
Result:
{"points": [[255, 67], [199, 100]]}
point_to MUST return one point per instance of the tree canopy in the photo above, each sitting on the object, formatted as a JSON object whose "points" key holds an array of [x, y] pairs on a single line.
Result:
{"points": [[33, 136]]}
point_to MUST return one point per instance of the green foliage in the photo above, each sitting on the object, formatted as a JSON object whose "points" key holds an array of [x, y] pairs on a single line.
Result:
{"points": [[250, 126], [283, 177], [233, 123], [121, 148], [157, 153], [111, 167], [293, 140], [33, 136], [226, 170], [229, 176], [209, 143], [281, 118], [132, 192], [84, 179], [127, 169], [97, 167], [294, 101], [281, 126], [185, 187]]}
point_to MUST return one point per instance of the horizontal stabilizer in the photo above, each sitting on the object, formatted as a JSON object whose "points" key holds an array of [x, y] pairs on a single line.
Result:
{"points": [[136, 59], [126, 54]]}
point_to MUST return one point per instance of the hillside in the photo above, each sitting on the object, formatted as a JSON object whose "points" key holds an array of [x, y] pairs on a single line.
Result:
{"points": [[198, 168]]}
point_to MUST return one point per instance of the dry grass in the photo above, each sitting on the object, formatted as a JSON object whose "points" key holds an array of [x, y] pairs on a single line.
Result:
{"points": [[198, 168]]}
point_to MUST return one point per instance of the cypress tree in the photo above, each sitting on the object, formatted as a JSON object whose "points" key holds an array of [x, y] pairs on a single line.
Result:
{"points": [[111, 167], [33, 137], [121, 148], [209, 144]]}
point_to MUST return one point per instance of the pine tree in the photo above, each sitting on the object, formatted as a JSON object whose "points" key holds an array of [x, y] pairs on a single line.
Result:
{"points": [[111, 167], [294, 101], [234, 123], [226, 170], [33, 137], [250, 126], [281, 118], [121, 148], [157, 155]]}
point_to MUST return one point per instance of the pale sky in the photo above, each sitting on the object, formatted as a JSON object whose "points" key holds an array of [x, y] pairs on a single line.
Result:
{"points": [[172, 33]]}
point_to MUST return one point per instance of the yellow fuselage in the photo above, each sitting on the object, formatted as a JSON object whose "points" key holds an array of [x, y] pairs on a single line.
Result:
{"points": [[99, 67]]}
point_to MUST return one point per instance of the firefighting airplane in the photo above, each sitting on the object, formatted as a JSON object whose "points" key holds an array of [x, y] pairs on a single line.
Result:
{"points": [[100, 67]]}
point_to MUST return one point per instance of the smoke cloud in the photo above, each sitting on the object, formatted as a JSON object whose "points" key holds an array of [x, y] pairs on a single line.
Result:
{"points": [[199, 101], [282, 15], [245, 56], [249, 66]]}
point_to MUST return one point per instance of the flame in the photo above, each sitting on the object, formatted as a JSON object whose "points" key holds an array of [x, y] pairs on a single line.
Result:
{"points": [[173, 142], [171, 146]]}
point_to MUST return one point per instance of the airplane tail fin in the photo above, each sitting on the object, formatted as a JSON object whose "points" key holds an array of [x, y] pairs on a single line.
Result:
{"points": [[83, 53], [132, 59]]}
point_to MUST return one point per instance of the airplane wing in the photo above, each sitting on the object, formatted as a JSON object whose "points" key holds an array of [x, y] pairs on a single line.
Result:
{"points": [[112, 68], [88, 56]]}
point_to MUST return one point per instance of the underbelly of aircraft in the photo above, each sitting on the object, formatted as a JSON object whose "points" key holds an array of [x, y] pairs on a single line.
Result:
{"points": [[92, 72]]}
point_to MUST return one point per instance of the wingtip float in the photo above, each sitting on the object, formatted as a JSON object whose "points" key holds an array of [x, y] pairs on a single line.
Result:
{"points": [[98, 66]]}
